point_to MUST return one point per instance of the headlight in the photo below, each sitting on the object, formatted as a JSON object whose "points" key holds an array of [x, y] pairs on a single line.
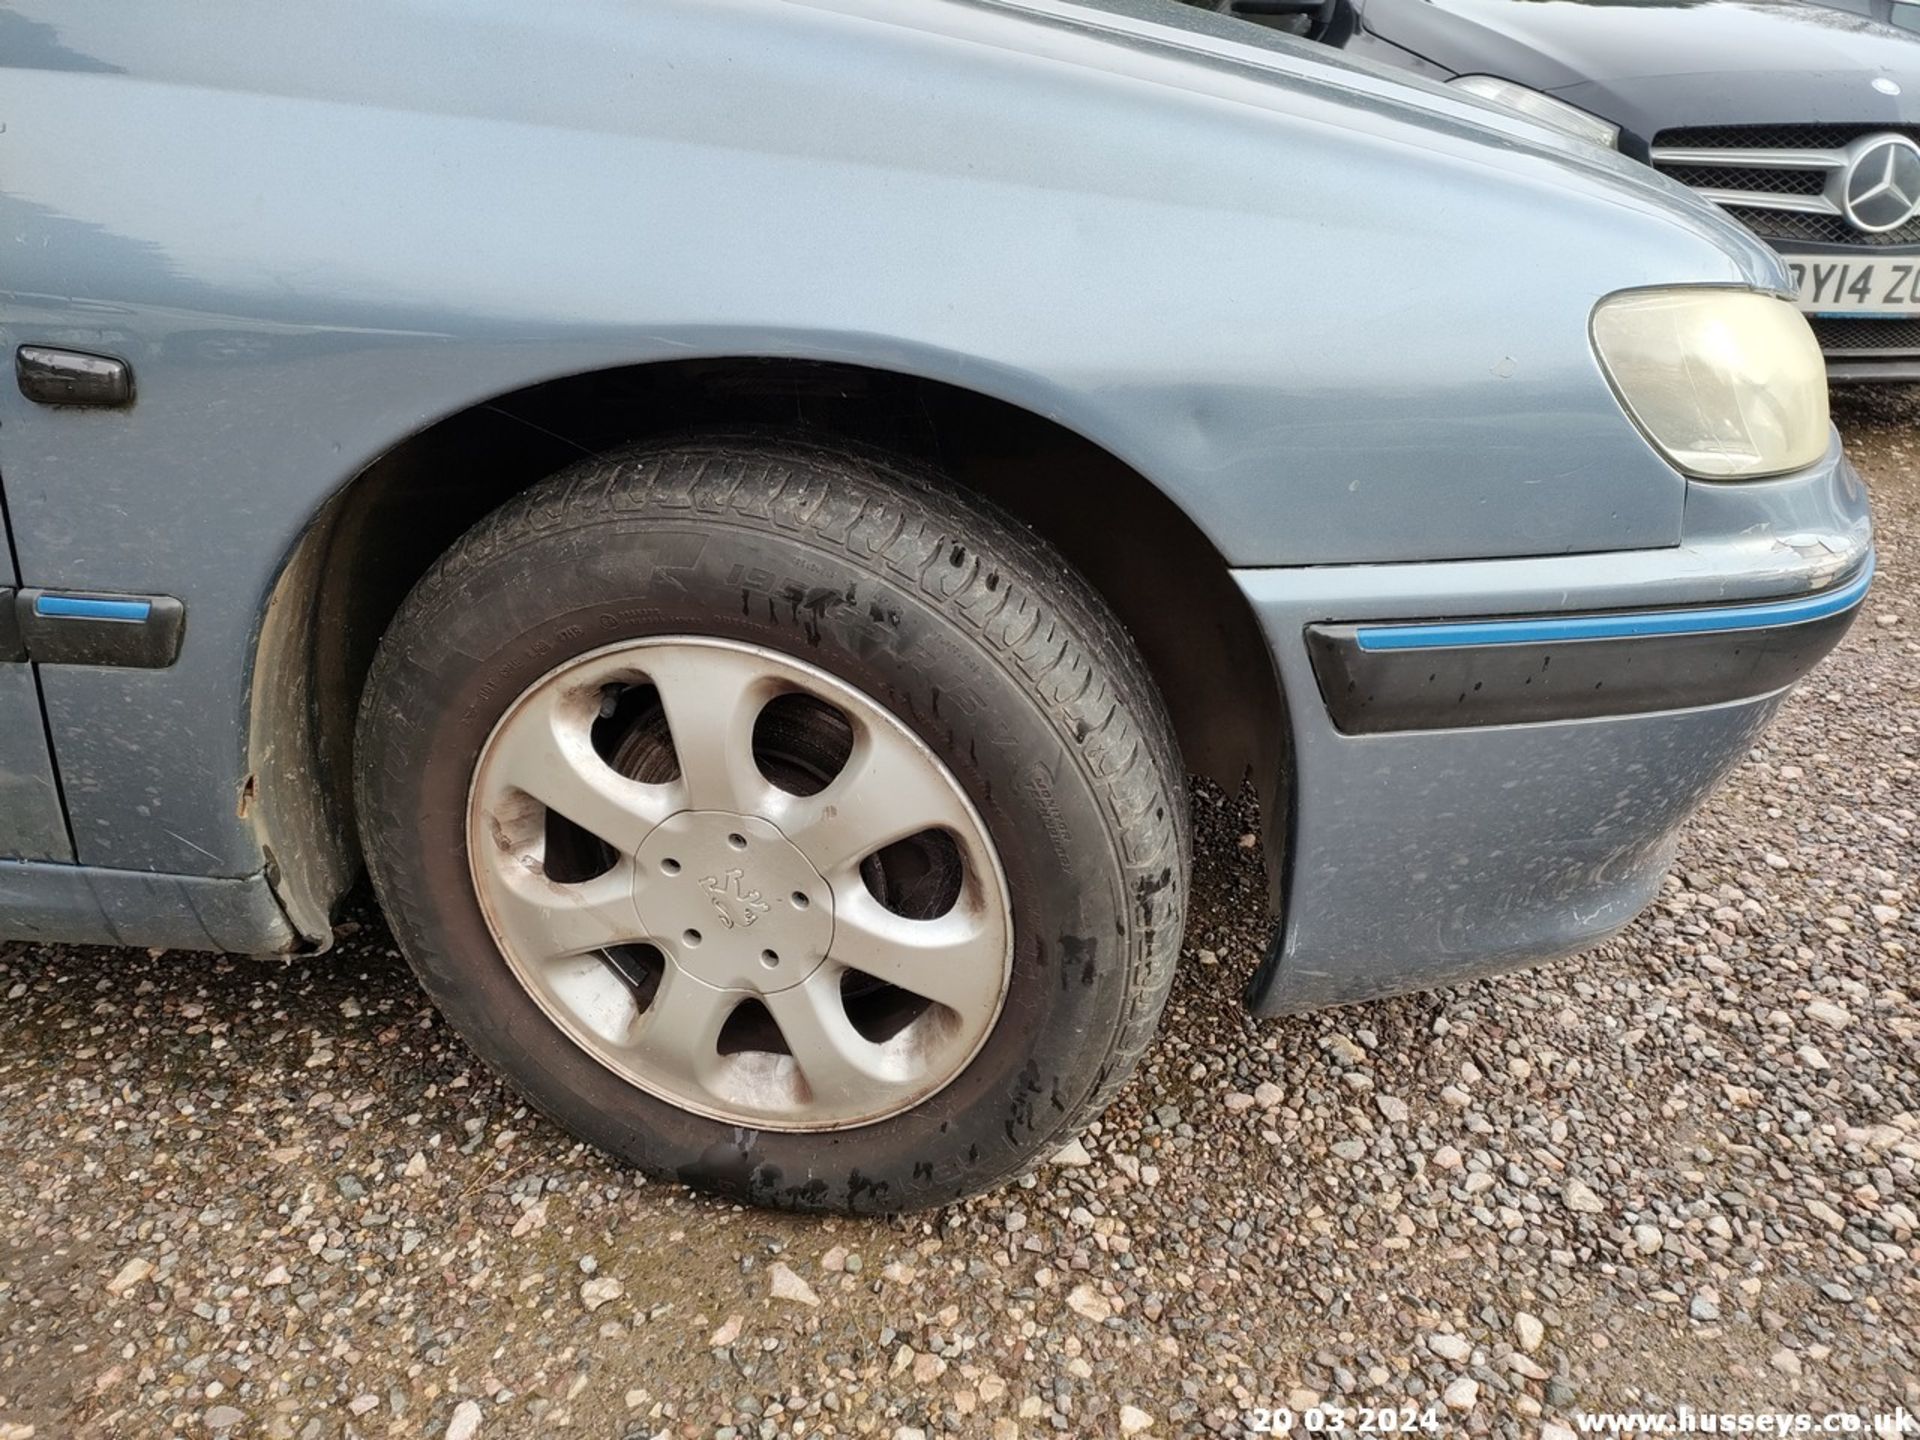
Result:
{"points": [[1568, 119], [1727, 384]]}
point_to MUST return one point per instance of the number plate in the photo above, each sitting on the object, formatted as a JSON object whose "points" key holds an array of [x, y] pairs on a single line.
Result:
{"points": [[1839, 285]]}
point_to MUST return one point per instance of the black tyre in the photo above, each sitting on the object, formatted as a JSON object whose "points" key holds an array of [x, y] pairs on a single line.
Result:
{"points": [[778, 821]]}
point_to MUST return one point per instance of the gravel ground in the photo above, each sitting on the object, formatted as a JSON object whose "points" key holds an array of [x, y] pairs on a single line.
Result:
{"points": [[263, 1199]]}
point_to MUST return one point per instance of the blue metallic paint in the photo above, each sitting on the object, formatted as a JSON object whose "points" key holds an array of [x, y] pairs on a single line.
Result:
{"points": [[83, 905], [1423, 856], [315, 229]]}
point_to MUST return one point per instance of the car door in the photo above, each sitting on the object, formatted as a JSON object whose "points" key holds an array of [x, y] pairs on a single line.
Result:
{"points": [[33, 825]]}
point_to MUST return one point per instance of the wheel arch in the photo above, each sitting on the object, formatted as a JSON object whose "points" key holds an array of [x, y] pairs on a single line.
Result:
{"points": [[372, 539]]}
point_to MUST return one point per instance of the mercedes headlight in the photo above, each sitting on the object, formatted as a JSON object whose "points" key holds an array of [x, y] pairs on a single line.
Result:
{"points": [[1568, 119], [1727, 384]]}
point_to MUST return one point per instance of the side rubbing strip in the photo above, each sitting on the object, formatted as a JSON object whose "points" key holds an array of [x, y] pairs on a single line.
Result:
{"points": [[1620, 625], [140, 631], [79, 607], [1571, 667]]}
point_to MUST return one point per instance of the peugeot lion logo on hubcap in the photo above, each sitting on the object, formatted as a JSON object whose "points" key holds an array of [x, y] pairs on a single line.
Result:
{"points": [[736, 905], [1882, 186]]}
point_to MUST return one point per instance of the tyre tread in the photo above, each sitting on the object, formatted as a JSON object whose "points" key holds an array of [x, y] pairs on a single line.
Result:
{"points": [[1028, 609]]}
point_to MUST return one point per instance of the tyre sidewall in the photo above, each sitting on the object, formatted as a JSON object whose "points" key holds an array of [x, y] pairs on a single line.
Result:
{"points": [[475, 646]]}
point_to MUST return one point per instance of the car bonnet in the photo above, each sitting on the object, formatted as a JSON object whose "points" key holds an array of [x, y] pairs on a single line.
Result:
{"points": [[1550, 44]]}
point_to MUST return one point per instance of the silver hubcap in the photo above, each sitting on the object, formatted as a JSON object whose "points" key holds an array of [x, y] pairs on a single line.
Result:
{"points": [[740, 884]]}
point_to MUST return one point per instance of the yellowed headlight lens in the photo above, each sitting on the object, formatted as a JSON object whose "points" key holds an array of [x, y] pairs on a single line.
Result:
{"points": [[1727, 384]]}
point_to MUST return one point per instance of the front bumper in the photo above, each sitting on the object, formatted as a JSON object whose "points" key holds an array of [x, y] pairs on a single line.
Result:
{"points": [[1457, 806], [1788, 184], [1862, 348], [1900, 370]]}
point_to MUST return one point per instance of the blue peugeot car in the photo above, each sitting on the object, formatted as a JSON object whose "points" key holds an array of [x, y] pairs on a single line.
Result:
{"points": [[742, 515]]}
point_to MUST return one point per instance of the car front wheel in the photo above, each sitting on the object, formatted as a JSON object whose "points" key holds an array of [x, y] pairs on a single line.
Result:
{"points": [[778, 821]]}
